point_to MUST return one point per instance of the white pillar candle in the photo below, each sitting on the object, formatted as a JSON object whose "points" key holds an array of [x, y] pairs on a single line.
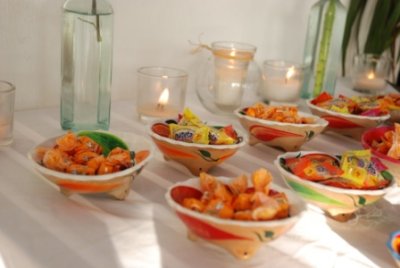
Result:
{"points": [[369, 83]]}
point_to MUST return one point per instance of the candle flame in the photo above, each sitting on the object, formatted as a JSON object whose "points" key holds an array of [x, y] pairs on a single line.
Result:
{"points": [[371, 75], [164, 97], [290, 73], [232, 53]]}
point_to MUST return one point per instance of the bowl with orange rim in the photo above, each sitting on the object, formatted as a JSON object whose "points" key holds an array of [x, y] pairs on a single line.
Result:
{"points": [[370, 137], [393, 245], [72, 170], [285, 135], [193, 156], [242, 238], [345, 123]]}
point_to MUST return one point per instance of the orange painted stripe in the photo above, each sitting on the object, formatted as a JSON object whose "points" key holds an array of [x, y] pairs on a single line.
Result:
{"points": [[169, 151], [88, 187]]}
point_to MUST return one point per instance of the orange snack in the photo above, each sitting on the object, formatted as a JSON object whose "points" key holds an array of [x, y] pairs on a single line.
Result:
{"points": [[284, 114], [237, 201]]}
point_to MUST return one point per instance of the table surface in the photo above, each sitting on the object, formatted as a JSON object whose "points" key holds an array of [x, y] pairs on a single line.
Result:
{"points": [[39, 227]]}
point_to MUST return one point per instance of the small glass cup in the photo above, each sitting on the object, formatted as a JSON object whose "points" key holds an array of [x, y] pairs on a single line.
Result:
{"points": [[282, 82], [161, 92], [370, 72], [7, 100]]}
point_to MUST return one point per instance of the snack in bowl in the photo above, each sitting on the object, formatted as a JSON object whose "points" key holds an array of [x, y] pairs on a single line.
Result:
{"points": [[384, 143], [393, 245], [279, 126], [192, 143], [348, 116], [92, 161], [337, 185], [392, 103], [238, 215]]}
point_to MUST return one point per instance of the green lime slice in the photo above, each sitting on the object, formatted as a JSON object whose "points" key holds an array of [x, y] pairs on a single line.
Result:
{"points": [[106, 140]]}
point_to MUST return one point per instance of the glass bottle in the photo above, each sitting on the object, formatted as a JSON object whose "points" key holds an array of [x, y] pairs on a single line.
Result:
{"points": [[86, 64], [322, 51]]}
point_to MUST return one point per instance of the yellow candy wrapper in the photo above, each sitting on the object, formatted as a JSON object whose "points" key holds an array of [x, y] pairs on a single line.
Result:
{"points": [[191, 134], [190, 119], [359, 169], [219, 136]]}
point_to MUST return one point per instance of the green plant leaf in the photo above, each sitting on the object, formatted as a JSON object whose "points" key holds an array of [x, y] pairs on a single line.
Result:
{"points": [[375, 40], [354, 14]]}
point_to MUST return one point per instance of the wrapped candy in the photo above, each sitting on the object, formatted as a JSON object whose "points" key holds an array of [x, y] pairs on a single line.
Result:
{"points": [[189, 134]]}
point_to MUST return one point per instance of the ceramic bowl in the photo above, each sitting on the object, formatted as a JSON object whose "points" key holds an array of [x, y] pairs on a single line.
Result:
{"points": [[392, 164], [338, 203], [288, 136], [195, 157], [393, 245], [350, 125], [242, 239], [115, 184]]}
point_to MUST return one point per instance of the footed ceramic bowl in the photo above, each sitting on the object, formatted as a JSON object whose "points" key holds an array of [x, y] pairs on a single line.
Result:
{"points": [[338, 203], [288, 136], [242, 239], [115, 184], [392, 164], [350, 125], [393, 245], [195, 157]]}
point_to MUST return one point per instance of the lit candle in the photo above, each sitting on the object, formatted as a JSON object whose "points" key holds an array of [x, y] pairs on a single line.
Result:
{"points": [[282, 89], [369, 83], [230, 74], [163, 100], [161, 109]]}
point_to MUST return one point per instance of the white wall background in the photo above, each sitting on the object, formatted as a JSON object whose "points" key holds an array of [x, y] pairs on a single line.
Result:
{"points": [[146, 32]]}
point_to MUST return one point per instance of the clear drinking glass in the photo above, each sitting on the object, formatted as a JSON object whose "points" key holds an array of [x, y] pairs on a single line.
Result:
{"points": [[7, 100], [282, 81], [370, 72], [86, 64], [161, 92]]}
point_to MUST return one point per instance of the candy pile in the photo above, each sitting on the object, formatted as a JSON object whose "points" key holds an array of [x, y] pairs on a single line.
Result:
{"points": [[191, 129], [238, 201], [358, 105], [389, 143], [356, 170], [285, 114]]}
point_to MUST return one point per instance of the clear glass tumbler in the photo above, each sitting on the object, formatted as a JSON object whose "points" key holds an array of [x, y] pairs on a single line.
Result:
{"points": [[370, 72], [282, 81], [161, 92], [7, 100]]}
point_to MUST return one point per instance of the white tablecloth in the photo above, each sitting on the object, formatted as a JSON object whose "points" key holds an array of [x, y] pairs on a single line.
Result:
{"points": [[39, 227]]}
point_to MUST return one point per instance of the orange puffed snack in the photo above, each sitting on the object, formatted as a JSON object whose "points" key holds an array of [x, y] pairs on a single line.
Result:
{"points": [[284, 114], [238, 201]]}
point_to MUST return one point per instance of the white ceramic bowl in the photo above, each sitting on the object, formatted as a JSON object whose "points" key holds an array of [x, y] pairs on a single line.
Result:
{"points": [[287, 136], [115, 184], [240, 238], [351, 125], [195, 157], [338, 203]]}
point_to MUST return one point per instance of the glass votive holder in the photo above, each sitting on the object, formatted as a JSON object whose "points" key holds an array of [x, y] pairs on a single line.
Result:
{"points": [[161, 92], [369, 73], [282, 82], [7, 100]]}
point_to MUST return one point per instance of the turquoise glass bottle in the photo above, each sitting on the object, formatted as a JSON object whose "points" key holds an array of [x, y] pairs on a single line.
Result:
{"points": [[86, 64], [322, 51]]}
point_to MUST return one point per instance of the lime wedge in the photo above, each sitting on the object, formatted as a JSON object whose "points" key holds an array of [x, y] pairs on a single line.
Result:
{"points": [[106, 140]]}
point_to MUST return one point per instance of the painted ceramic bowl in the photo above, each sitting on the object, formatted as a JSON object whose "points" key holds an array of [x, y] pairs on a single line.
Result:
{"points": [[195, 157], [115, 184], [392, 164], [393, 245], [288, 136], [242, 239], [338, 203], [350, 125]]}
